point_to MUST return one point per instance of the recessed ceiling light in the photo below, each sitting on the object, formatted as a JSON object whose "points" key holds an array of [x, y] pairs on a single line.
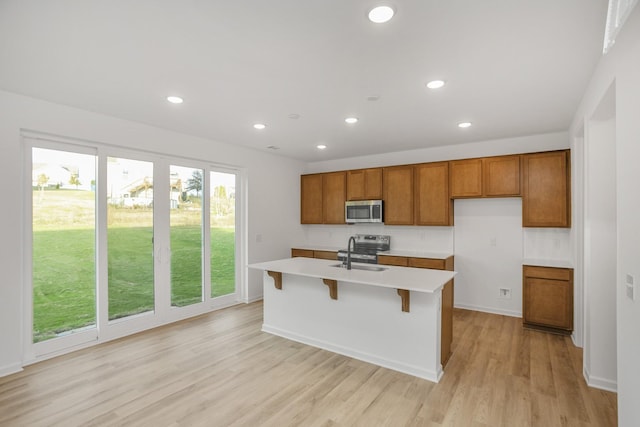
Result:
{"points": [[381, 14], [435, 84], [259, 126], [321, 146], [351, 120], [464, 125], [175, 99]]}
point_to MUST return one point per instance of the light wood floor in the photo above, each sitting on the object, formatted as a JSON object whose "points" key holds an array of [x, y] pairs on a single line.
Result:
{"points": [[220, 370]]}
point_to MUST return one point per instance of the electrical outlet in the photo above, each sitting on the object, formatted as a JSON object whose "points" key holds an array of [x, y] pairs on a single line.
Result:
{"points": [[493, 241], [505, 293], [630, 288]]}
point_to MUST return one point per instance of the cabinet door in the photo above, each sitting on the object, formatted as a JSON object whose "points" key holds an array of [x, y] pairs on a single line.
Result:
{"points": [[546, 200], [364, 184], [333, 197], [548, 302], [501, 176], [325, 255], [399, 261], [432, 202], [311, 199], [434, 264], [466, 178], [446, 319], [397, 184], [305, 253]]}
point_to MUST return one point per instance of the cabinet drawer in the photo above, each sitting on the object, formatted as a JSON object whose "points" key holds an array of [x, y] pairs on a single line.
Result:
{"points": [[325, 255], [399, 261], [306, 253], [436, 264], [548, 273]]}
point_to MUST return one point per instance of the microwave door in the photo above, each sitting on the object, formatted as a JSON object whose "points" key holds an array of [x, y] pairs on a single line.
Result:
{"points": [[358, 213]]}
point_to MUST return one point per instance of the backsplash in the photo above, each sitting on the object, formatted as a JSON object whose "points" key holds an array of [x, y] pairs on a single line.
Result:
{"points": [[547, 243], [423, 239]]}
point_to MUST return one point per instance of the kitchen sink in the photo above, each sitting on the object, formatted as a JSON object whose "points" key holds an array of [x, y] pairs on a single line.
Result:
{"points": [[361, 267]]}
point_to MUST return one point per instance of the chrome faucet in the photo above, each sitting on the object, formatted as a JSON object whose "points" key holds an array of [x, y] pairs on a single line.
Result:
{"points": [[349, 251]]}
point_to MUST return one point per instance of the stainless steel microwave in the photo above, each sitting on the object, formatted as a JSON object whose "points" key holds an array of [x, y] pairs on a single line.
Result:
{"points": [[363, 211]]}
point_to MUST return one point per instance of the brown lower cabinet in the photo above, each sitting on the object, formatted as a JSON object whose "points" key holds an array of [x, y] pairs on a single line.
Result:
{"points": [[310, 253], [547, 298], [446, 334]]}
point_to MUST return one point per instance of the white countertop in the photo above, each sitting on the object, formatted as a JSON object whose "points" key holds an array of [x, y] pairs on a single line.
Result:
{"points": [[317, 248], [412, 279], [417, 254], [538, 262]]}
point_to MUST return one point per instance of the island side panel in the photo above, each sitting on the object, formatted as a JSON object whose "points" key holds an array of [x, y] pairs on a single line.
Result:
{"points": [[365, 322]]}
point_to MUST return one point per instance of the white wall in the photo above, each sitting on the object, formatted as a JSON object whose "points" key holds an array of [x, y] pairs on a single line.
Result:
{"points": [[272, 198], [488, 254], [600, 255], [622, 65]]}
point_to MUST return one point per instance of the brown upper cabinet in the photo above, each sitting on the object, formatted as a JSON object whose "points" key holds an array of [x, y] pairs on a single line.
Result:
{"points": [[546, 189], [311, 199], [334, 194], [501, 176], [364, 184], [485, 177], [422, 194], [466, 178], [397, 193], [432, 203], [322, 198]]}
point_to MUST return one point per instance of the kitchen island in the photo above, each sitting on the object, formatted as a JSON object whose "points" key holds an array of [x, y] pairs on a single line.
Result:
{"points": [[386, 315]]}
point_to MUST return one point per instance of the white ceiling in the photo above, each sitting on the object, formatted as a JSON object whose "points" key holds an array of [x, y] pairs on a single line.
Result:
{"points": [[513, 67]]}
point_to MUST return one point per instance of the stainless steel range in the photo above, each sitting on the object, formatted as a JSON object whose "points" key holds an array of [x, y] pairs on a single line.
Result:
{"points": [[366, 249]]}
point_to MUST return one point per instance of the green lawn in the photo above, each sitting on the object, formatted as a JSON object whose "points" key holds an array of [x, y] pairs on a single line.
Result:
{"points": [[64, 263]]}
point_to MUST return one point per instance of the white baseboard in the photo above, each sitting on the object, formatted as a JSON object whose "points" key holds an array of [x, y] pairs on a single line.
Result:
{"points": [[10, 369], [356, 354], [491, 310], [253, 299], [601, 383]]}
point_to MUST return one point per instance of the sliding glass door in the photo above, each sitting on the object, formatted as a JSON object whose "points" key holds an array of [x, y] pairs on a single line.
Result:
{"points": [[63, 273], [122, 241], [130, 237], [186, 215], [222, 202]]}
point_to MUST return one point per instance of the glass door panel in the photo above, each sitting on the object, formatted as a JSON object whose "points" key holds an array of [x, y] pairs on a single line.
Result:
{"points": [[63, 225], [222, 203], [130, 237], [186, 235]]}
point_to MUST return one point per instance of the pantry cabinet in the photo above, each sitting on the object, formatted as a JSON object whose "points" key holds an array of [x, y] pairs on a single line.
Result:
{"points": [[546, 189], [397, 193], [432, 203], [364, 184], [547, 298]]}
